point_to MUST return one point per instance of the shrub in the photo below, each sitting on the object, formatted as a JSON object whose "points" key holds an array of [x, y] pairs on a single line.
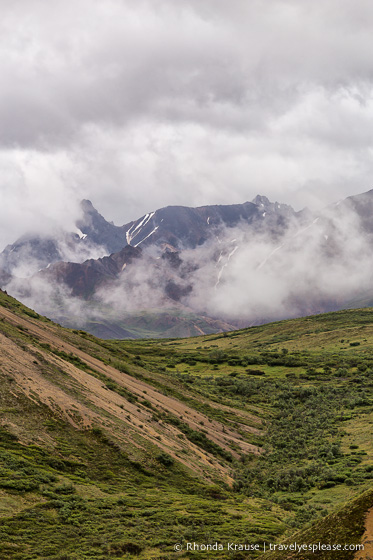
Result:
{"points": [[165, 459]]}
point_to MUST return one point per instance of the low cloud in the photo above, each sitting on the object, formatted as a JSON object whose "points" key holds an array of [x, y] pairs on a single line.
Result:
{"points": [[241, 276], [318, 268]]}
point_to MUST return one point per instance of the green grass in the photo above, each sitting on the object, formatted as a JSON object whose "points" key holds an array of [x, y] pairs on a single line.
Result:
{"points": [[343, 527], [303, 388]]}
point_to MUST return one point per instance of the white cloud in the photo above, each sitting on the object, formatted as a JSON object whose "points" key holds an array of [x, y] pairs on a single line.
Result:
{"points": [[137, 105]]}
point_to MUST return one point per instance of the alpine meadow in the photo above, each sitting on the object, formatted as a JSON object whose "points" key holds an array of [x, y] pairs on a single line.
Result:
{"points": [[123, 448]]}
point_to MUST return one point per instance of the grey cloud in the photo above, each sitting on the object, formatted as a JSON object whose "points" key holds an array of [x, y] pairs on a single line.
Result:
{"points": [[244, 277], [319, 267], [137, 105], [65, 67]]}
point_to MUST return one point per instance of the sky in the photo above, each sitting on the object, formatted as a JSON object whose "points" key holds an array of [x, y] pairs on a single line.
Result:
{"points": [[140, 104]]}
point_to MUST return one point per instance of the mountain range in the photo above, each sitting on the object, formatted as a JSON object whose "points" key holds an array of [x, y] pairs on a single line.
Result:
{"points": [[182, 271], [174, 228]]}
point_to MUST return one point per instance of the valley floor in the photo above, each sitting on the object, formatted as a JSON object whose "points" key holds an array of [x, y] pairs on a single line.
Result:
{"points": [[126, 449]]}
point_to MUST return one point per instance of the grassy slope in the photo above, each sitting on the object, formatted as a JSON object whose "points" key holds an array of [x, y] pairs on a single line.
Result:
{"points": [[344, 527], [110, 444]]}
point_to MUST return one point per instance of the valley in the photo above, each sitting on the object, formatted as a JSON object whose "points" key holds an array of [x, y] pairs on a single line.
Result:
{"points": [[123, 448]]}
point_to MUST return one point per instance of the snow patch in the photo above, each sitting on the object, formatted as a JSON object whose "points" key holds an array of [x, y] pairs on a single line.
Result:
{"points": [[269, 256], [80, 233], [232, 253], [151, 233], [136, 229], [224, 265]]}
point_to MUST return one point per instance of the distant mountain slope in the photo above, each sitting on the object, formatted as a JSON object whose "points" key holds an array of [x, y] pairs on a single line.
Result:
{"points": [[174, 227], [85, 278], [362, 206], [179, 227], [169, 322], [212, 267], [93, 235]]}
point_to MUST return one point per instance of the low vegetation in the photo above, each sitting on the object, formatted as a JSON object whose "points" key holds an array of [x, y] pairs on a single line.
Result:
{"points": [[123, 449]]}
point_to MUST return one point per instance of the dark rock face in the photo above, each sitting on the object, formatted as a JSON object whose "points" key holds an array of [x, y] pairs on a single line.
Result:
{"points": [[84, 279], [175, 291], [177, 227], [99, 231], [172, 258]]}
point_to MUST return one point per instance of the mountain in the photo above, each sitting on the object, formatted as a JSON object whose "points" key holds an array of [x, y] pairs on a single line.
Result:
{"points": [[178, 269], [123, 448], [149, 251], [85, 278], [178, 228], [173, 228], [96, 230], [93, 235], [362, 206]]}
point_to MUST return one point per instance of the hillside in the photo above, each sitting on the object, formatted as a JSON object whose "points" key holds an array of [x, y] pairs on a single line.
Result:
{"points": [[124, 448]]}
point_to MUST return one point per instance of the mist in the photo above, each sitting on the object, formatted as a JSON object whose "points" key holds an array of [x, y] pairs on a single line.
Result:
{"points": [[321, 267], [242, 276]]}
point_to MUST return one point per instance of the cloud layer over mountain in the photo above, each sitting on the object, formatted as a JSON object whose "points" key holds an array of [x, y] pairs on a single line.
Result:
{"points": [[141, 104], [260, 263]]}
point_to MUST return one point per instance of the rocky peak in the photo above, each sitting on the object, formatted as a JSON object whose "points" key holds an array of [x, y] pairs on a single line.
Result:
{"points": [[260, 200]]}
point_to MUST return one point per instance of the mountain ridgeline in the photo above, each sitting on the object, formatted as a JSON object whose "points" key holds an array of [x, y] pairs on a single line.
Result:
{"points": [[182, 271], [174, 228]]}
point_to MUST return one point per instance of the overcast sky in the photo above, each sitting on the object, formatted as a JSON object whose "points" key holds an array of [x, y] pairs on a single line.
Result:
{"points": [[139, 104]]}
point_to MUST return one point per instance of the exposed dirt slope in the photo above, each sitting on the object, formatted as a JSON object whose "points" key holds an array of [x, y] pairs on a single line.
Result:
{"points": [[83, 399]]}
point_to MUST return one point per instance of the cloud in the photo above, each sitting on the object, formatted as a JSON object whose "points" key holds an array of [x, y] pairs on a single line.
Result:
{"points": [[242, 275], [320, 267], [137, 105]]}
